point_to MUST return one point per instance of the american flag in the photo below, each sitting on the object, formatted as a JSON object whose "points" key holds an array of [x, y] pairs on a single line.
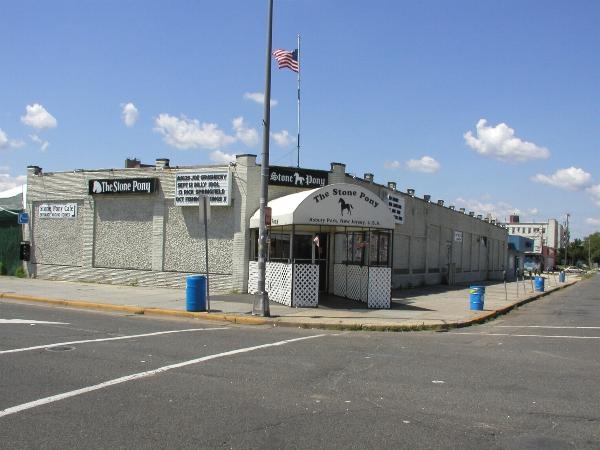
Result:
{"points": [[287, 59]]}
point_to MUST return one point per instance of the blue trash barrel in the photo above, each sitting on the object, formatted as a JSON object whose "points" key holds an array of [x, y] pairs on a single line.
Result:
{"points": [[561, 276], [539, 284], [477, 297], [195, 293]]}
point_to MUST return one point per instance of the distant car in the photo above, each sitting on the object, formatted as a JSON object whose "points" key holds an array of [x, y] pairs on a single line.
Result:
{"points": [[572, 269]]}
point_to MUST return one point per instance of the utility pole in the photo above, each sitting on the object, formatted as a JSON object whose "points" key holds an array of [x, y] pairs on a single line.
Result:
{"points": [[261, 302]]}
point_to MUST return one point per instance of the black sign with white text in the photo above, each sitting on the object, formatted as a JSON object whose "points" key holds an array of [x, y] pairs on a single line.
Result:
{"points": [[123, 186], [296, 177]]}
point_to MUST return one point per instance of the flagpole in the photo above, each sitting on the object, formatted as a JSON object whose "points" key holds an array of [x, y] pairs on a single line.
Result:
{"points": [[298, 137]]}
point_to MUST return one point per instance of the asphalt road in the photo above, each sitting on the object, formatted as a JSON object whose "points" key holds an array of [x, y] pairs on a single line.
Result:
{"points": [[98, 380]]}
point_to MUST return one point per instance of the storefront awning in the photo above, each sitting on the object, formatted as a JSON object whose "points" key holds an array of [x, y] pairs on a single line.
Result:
{"points": [[333, 205]]}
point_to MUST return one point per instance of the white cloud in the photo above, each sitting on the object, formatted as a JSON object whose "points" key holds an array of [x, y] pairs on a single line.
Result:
{"points": [[37, 117], [283, 138], [258, 97], [594, 192], [5, 142], [8, 182], [222, 158], [184, 133], [592, 221], [129, 113], [426, 165], [249, 136], [43, 144], [499, 142], [571, 179], [392, 164], [500, 210]]}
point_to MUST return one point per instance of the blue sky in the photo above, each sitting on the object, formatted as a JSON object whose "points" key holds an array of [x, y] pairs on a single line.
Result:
{"points": [[489, 105]]}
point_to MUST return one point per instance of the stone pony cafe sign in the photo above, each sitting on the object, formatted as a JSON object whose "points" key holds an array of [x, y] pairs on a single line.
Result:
{"points": [[57, 210], [336, 205], [297, 177], [122, 186], [215, 185]]}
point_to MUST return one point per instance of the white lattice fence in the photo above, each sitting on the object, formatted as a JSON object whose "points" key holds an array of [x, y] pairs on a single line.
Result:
{"points": [[357, 283], [278, 281], [380, 279], [339, 280], [306, 285], [253, 277]]}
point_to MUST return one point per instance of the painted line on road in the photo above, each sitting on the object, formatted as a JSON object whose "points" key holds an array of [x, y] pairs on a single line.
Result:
{"points": [[137, 376], [30, 322], [547, 326], [528, 335], [117, 338]]}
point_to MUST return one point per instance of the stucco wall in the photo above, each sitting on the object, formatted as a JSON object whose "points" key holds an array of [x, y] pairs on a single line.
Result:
{"points": [[185, 240], [58, 241], [123, 232]]}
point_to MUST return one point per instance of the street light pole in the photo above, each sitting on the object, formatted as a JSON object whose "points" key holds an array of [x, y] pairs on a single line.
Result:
{"points": [[261, 301], [567, 242]]}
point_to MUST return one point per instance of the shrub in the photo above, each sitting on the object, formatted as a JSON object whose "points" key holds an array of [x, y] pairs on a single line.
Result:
{"points": [[20, 272]]}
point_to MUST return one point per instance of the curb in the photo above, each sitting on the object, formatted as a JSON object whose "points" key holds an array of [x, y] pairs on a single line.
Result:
{"points": [[282, 322], [132, 309]]}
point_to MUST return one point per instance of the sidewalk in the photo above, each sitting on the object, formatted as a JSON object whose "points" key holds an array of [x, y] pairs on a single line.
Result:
{"points": [[429, 307]]}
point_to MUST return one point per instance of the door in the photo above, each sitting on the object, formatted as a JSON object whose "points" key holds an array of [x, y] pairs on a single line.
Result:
{"points": [[312, 249]]}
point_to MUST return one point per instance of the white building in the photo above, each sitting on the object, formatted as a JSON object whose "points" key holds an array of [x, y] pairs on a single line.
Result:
{"points": [[331, 232], [546, 238]]}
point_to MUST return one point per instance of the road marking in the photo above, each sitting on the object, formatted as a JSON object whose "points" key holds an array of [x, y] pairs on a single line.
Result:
{"points": [[30, 322], [530, 335], [137, 376], [118, 338], [547, 326]]}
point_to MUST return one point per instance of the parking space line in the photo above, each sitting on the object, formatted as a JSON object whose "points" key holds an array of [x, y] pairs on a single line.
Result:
{"points": [[137, 376], [117, 338], [548, 326], [528, 335]]}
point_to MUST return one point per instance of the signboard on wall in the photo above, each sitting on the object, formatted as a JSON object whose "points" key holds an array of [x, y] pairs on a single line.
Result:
{"points": [[216, 185], [297, 177], [122, 186], [396, 205], [57, 210], [458, 236]]}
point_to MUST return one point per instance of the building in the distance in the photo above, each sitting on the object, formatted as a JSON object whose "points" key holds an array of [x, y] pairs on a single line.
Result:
{"points": [[546, 237], [330, 232]]}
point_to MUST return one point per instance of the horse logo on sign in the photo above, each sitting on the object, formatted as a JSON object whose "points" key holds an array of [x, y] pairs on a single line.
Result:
{"points": [[345, 206]]}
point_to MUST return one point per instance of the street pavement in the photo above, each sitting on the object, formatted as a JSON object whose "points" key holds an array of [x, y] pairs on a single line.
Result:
{"points": [[428, 307]]}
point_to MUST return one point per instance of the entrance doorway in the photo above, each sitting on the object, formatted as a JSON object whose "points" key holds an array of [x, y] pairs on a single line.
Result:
{"points": [[301, 248]]}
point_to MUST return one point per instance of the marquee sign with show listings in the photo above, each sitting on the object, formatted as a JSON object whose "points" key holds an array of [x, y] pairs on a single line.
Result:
{"points": [[396, 206], [215, 185], [123, 186]]}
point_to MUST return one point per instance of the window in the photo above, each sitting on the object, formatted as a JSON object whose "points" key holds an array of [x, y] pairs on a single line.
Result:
{"points": [[279, 247], [379, 248], [363, 248]]}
